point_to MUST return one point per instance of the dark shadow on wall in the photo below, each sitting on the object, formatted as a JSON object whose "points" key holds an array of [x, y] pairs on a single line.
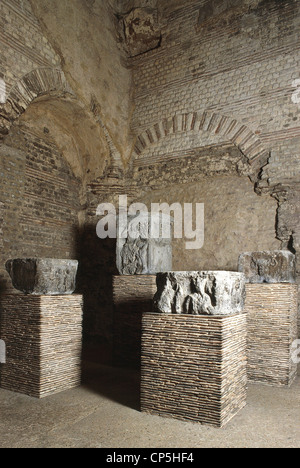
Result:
{"points": [[94, 281], [111, 335], [127, 329]]}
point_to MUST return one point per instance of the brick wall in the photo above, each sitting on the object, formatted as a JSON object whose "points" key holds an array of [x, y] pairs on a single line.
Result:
{"points": [[40, 202], [23, 46], [240, 66]]}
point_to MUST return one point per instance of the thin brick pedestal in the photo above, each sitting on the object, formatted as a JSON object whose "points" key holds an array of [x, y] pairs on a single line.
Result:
{"points": [[272, 328], [194, 367], [132, 296], [43, 336]]}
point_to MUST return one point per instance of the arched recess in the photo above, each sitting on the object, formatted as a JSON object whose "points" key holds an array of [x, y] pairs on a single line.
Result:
{"points": [[227, 130], [36, 83], [73, 129], [39, 83], [236, 219]]}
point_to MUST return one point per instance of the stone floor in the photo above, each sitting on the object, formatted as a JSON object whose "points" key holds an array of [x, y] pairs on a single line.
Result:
{"points": [[104, 413]]}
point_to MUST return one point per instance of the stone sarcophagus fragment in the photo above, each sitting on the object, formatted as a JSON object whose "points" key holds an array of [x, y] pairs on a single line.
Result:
{"points": [[200, 293], [277, 266], [43, 276], [142, 247]]}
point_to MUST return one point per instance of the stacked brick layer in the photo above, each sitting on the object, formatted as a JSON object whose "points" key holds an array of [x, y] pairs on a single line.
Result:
{"points": [[132, 296], [194, 367], [43, 336], [272, 329], [196, 71]]}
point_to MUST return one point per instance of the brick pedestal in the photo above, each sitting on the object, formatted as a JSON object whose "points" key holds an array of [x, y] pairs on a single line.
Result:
{"points": [[194, 367], [272, 311], [43, 337]]}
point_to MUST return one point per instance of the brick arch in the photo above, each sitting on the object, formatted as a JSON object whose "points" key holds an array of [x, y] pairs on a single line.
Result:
{"points": [[36, 83], [216, 124], [42, 82]]}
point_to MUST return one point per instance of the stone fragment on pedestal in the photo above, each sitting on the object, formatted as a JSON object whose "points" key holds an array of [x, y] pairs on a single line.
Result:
{"points": [[138, 251], [277, 266], [200, 293], [43, 276]]}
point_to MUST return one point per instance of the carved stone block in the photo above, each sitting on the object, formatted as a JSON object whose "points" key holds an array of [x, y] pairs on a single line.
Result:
{"points": [[43, 276], [138, 253], [278, 266], [200, 293], [141, 30]]}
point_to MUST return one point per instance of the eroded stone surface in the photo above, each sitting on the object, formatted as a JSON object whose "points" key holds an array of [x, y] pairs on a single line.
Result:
{"points": [[278, 266], [43, 276], [200, 293], [141, 30], [139, 253]]}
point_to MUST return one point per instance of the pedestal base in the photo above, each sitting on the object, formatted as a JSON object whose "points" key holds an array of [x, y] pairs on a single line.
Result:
{"points": [[43, 336], [194, 367], [272, 311]]}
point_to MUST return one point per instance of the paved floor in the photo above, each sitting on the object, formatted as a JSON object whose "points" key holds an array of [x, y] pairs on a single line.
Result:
{"points": [[104, 413]]}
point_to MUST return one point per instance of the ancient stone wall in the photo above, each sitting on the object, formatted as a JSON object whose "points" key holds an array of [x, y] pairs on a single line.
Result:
{"points": [[53, 50], [52, 142], [83, 34], [239, 62], [23, 46], [40, 202], [236, 220], [224, 72], [215, 103]]}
